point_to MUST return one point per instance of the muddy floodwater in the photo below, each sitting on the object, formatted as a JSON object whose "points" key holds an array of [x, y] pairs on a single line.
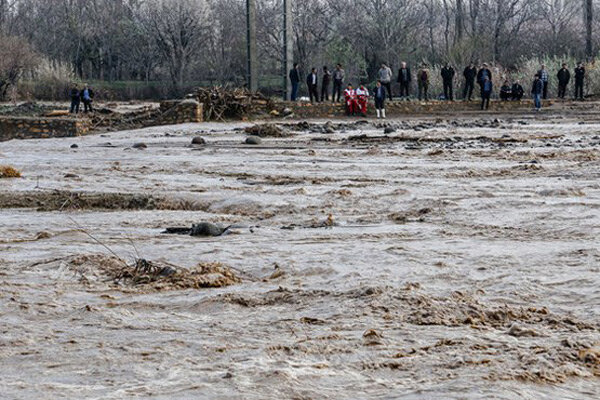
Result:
{"points": [[448, 259]]}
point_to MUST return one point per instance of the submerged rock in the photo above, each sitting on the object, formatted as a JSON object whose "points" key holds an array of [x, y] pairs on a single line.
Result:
{"points": [[207, 229], [328, 127], [140, 145], [201, 229], [253, 140], [198, 140]]}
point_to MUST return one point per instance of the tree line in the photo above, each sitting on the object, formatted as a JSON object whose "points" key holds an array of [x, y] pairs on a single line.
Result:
{"points": [[203, 41]]}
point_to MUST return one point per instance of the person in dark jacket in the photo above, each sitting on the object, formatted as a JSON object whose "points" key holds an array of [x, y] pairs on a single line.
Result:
{"points": [[563, 76], [517, 91], [295, 80], [404, 79], [423, 82], [484, 72], [380, 93], [544, 77], [312, 81], [338, 81], [325, 84], [537, 91], [579, 79], [469, 74], [505, 91], [87, 96], [75, 99], [447, 78], [486, 92]]}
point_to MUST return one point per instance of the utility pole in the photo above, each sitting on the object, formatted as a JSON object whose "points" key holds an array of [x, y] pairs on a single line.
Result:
{"points": [[252, 73], [288, 47]]}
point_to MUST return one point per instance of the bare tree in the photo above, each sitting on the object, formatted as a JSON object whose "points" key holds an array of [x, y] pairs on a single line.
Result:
{"points": [[16, 56], [180, 28]]}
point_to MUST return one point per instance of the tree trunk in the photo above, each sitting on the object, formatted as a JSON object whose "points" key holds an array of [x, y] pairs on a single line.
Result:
{"points": [[589, 20], [460, 21]]}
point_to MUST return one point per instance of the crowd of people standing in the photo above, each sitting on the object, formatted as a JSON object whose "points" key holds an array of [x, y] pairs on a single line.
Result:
{"points": [[472, 76]]}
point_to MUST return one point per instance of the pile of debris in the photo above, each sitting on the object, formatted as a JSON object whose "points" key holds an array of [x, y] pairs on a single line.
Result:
{"points": [[267, 130], [222, 103], [148, 275], [27, 109], [112, 120]]}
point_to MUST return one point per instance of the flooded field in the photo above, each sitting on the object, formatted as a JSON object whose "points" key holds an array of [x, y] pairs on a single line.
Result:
{"points": [[446, 259]]}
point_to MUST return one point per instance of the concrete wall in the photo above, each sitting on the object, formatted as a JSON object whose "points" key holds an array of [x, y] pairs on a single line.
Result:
{"points": [[35, 128]]}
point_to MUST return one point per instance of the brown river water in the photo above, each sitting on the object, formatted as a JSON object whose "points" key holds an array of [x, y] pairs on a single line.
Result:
{"points": [[447, 260]]}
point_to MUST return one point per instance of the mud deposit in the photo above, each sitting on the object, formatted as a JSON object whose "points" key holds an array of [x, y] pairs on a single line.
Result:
{"points": [[415, 259]]}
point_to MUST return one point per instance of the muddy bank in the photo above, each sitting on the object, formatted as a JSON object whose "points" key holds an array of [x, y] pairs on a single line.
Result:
{"points": [[61, 200]]}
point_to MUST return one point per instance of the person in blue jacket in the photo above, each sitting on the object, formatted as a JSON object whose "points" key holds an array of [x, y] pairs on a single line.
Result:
{"points": [[537, 90], [486, 92]]}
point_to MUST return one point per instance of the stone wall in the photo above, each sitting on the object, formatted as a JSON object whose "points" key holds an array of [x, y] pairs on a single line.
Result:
{"points": [[180, 112], [38, 127], [417, 108]]}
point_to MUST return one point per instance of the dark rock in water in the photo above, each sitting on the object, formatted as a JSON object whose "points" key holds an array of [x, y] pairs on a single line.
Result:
{"points": [[389, 130], [328, 127], [254, 140], [201, 229], [198, 140], [71, 176], [207, 229], [74, 146], [140, 145], [303, 126]]}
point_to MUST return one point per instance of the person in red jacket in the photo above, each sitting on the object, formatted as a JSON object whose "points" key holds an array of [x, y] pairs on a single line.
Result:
{"points": [[362, 96], [350, 97]]}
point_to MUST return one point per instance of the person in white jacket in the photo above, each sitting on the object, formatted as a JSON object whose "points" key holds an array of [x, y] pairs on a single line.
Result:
{"points": [[385, 77], [362, 96]]}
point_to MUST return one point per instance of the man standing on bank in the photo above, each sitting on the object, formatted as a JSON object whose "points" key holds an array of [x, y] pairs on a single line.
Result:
{"points": [[295, 81], [483, 73], [312, 83], [75, 99], [385, 77], [579, 78], [537, 90], [87, 96], [447, 78], [338, 81], [563, 76], [380, 100], [543, 74], [486, 92], [325, 84], [423, 82], [470, 73], [404, 79]]}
